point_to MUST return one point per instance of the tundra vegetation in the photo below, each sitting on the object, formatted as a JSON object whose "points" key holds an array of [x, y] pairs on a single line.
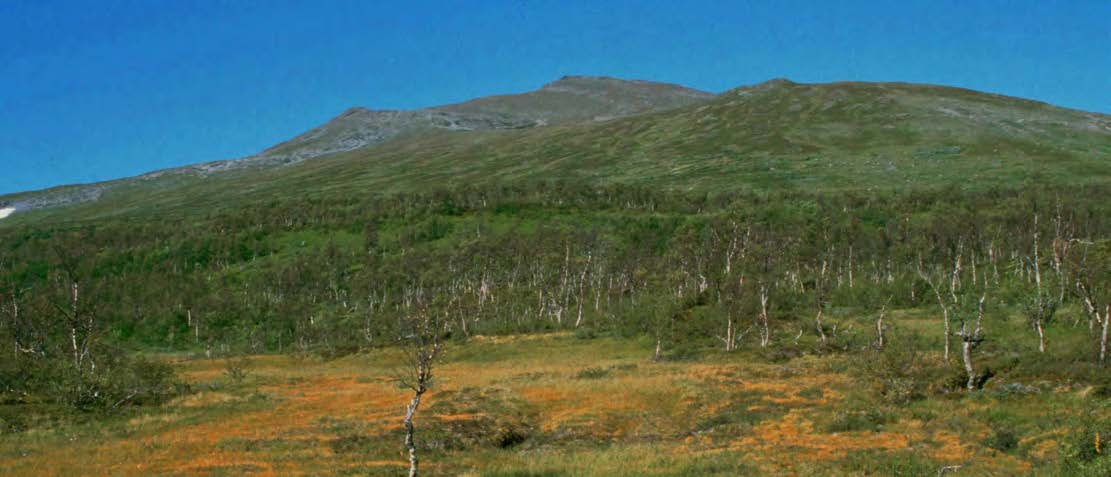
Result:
{"points": [[572, 329]]}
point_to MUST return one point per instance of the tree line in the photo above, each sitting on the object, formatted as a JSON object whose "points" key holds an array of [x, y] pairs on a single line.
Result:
{"points": [[333, 275]]}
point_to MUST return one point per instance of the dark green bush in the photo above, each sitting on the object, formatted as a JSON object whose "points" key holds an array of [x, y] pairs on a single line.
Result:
{"points": [[1002, 440], [592, 373], [585, 333], [118, 380], [902, 372]]}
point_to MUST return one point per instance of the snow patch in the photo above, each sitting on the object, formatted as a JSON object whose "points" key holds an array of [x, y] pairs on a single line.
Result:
{"points": [[6, 211]]}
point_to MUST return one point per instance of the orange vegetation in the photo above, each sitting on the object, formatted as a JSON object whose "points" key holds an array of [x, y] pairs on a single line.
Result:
{"points": [[310, 406], [796, 431]]}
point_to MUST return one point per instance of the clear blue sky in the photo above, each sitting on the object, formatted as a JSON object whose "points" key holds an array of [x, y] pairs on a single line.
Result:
{"points": [[95, 90]]}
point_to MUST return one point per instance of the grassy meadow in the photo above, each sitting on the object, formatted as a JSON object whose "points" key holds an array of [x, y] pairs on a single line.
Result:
{"points": [[567, 404]]}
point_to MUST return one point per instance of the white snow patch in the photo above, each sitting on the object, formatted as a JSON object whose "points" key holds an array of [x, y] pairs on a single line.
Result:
{"points": [[6, 211]]}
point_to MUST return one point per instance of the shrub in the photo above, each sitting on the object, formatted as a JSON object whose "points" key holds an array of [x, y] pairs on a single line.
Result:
{"points": [[592, 373], [902, 373], [852, 420], [1085, 451], [1002, 440], [118, 380], [1040, 307], [495, 419], [585, 333], [236, 369], [1014, 390]]}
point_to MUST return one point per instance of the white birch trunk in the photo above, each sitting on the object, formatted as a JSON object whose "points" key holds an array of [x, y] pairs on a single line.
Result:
{"points": [[765, 335], [1103, 336], [410, 444]]}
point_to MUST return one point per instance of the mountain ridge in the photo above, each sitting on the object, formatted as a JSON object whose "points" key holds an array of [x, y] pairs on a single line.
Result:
{"points": [[359, 126], [607, 130]]}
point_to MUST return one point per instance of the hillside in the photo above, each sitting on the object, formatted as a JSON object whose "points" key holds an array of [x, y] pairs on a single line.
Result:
{"points": [[774, 135], [835, 279], [570, 99]]}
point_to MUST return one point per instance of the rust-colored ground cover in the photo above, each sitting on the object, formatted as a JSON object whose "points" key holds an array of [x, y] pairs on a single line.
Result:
{"points": [[308, 417]]}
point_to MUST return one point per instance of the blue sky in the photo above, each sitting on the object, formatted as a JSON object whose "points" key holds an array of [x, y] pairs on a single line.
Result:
{"points": [[96, 90]]}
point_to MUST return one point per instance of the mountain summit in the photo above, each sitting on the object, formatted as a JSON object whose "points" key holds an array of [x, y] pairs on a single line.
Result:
{"points": [[569, 99], [598, 130]]}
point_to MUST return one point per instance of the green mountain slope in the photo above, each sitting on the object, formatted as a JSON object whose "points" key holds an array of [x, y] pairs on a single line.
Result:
{"points": [[774, 135], [778, 134]]}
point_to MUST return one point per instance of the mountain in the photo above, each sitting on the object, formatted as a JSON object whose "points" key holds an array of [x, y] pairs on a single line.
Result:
{"points": [[777, 134], [570, 99]]}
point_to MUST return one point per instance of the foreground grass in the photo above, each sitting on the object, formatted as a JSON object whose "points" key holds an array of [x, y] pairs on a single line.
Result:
{"points": [[557, 405]]}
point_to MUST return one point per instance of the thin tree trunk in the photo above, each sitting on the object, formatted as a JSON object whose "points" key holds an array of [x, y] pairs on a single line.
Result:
{"points": [[73, 328], [879, 327], [818, 325], [765, 336], [1092, 311], [410, 444], [968, 342], [945, 316], [1037, 268], [966, 353], [1103, 336], [729, 341], [1041, 336], [944, 313], [15, 321], [850, 266]]}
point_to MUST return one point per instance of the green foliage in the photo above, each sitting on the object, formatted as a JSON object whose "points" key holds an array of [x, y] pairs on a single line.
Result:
{"points": [[1002, 440], [1014, 390], [1084, 452], [829, 137], [331, 275], [585, 333], [592, 373], [120, 381], [858, 420], [903, 372], [1040, 307]]}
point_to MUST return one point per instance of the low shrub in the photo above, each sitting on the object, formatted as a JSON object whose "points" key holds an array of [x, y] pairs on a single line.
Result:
{"points": [[902, 373], [858, 420], [117, 380], [236, 369], [1085, 451], [1002, 440], [592, 373], [1011, 390], [585, 333]]}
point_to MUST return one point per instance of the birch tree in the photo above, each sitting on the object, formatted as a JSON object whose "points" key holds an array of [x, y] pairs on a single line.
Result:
{"points": [[880, 327], [421, 346], [1092, 271], [950, 300], [971, 337], [1041, 307]]}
